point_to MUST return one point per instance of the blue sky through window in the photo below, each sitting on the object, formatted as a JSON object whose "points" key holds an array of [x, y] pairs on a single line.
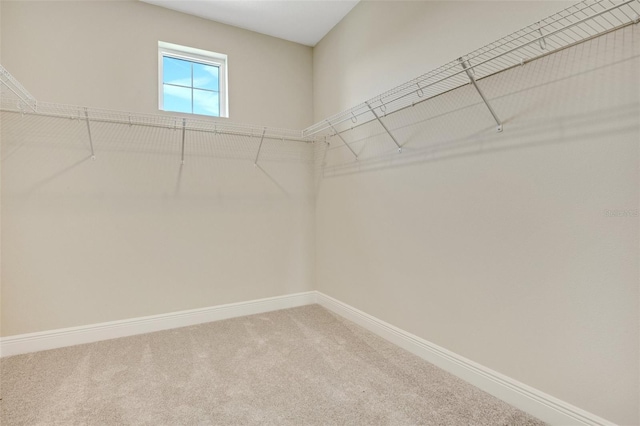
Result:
{"points": [[190, 87]]}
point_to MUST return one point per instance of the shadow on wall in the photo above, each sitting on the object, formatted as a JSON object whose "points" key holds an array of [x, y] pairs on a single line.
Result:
{"points": [[579, 94], [48, 155], [565, 129]]}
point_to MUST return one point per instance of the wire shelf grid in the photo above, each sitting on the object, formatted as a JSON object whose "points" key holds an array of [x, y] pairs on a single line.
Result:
{"points": [[575, 24], [566, 28], [14, 98], [13, 91]]}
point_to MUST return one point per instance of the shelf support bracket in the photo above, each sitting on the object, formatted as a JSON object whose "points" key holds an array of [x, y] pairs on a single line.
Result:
{"points": [[86, 116], [255, 162], [465, 66], [184, 125], [541, 40], [342, 139], [383, 126]]}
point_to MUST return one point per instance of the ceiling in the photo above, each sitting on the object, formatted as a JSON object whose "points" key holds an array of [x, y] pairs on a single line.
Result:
{"points": [[301, 21]]}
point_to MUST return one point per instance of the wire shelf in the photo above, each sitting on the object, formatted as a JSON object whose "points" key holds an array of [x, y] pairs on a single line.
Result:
{"points": [[575, 24], [566, 28], [14, 98], [13, 93]]}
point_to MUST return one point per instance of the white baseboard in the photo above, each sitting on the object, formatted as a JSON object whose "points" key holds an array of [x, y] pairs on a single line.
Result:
{"points": [[537, 403], [533, 401], [33, 342]]}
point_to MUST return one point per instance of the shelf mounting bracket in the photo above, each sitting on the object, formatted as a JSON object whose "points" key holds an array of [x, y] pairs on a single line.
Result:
{"points": [[86, 116], [541, 40], [472, 78], [184, 125], [383, 126], [342, 139], [255, 162]]}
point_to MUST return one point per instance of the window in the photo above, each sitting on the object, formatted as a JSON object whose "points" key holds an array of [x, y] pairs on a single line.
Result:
{"points": [[192, 81]]}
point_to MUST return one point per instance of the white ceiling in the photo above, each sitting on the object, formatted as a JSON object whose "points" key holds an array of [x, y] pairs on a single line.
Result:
{"points": [[301, 21]]}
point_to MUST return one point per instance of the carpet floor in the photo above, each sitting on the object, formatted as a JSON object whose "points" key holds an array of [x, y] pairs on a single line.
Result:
{"points": [[296, 366]]}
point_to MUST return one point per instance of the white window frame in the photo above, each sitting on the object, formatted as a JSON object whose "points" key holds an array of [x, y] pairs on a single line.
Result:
{"points": [[192, 54]]}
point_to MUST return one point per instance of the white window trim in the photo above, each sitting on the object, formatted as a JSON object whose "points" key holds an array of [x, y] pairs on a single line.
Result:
{"points": [[195, 55]]}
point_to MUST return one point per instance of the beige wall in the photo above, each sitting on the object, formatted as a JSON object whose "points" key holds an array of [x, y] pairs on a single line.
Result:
{"points": [[494, 246], [132, 233], [104, 54]]}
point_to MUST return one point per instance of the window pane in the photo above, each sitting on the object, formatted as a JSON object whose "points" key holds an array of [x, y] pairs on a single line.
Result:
{"points": [[177, 99], [176, 71], [206, 103], [205, 76]]}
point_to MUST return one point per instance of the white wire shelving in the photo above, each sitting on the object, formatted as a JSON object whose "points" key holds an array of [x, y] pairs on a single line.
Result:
{"points": [[15, 98], [575, 24], [13, 94]]}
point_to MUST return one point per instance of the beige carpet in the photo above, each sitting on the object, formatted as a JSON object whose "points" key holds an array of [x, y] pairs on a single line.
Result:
{"points": [[296, 366]]}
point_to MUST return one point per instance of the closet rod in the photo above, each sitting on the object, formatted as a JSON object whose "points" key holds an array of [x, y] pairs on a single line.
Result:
{"points": [[165, 126], [15, 98], [360, 110], [418, 102], [423, 99]]}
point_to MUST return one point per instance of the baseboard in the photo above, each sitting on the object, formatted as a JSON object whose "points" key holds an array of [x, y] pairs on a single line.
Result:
{"points": [[33, 342], [533, 401], [539, 404]]}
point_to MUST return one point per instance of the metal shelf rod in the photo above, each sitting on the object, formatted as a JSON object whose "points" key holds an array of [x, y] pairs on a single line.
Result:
{"points": [[346, 115], [465, 66], [385, 128], [425, 99], [20, 97], [184, 124], [162, 126], [343, 141], [255, 162], [86, 114], [17, 89]]}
